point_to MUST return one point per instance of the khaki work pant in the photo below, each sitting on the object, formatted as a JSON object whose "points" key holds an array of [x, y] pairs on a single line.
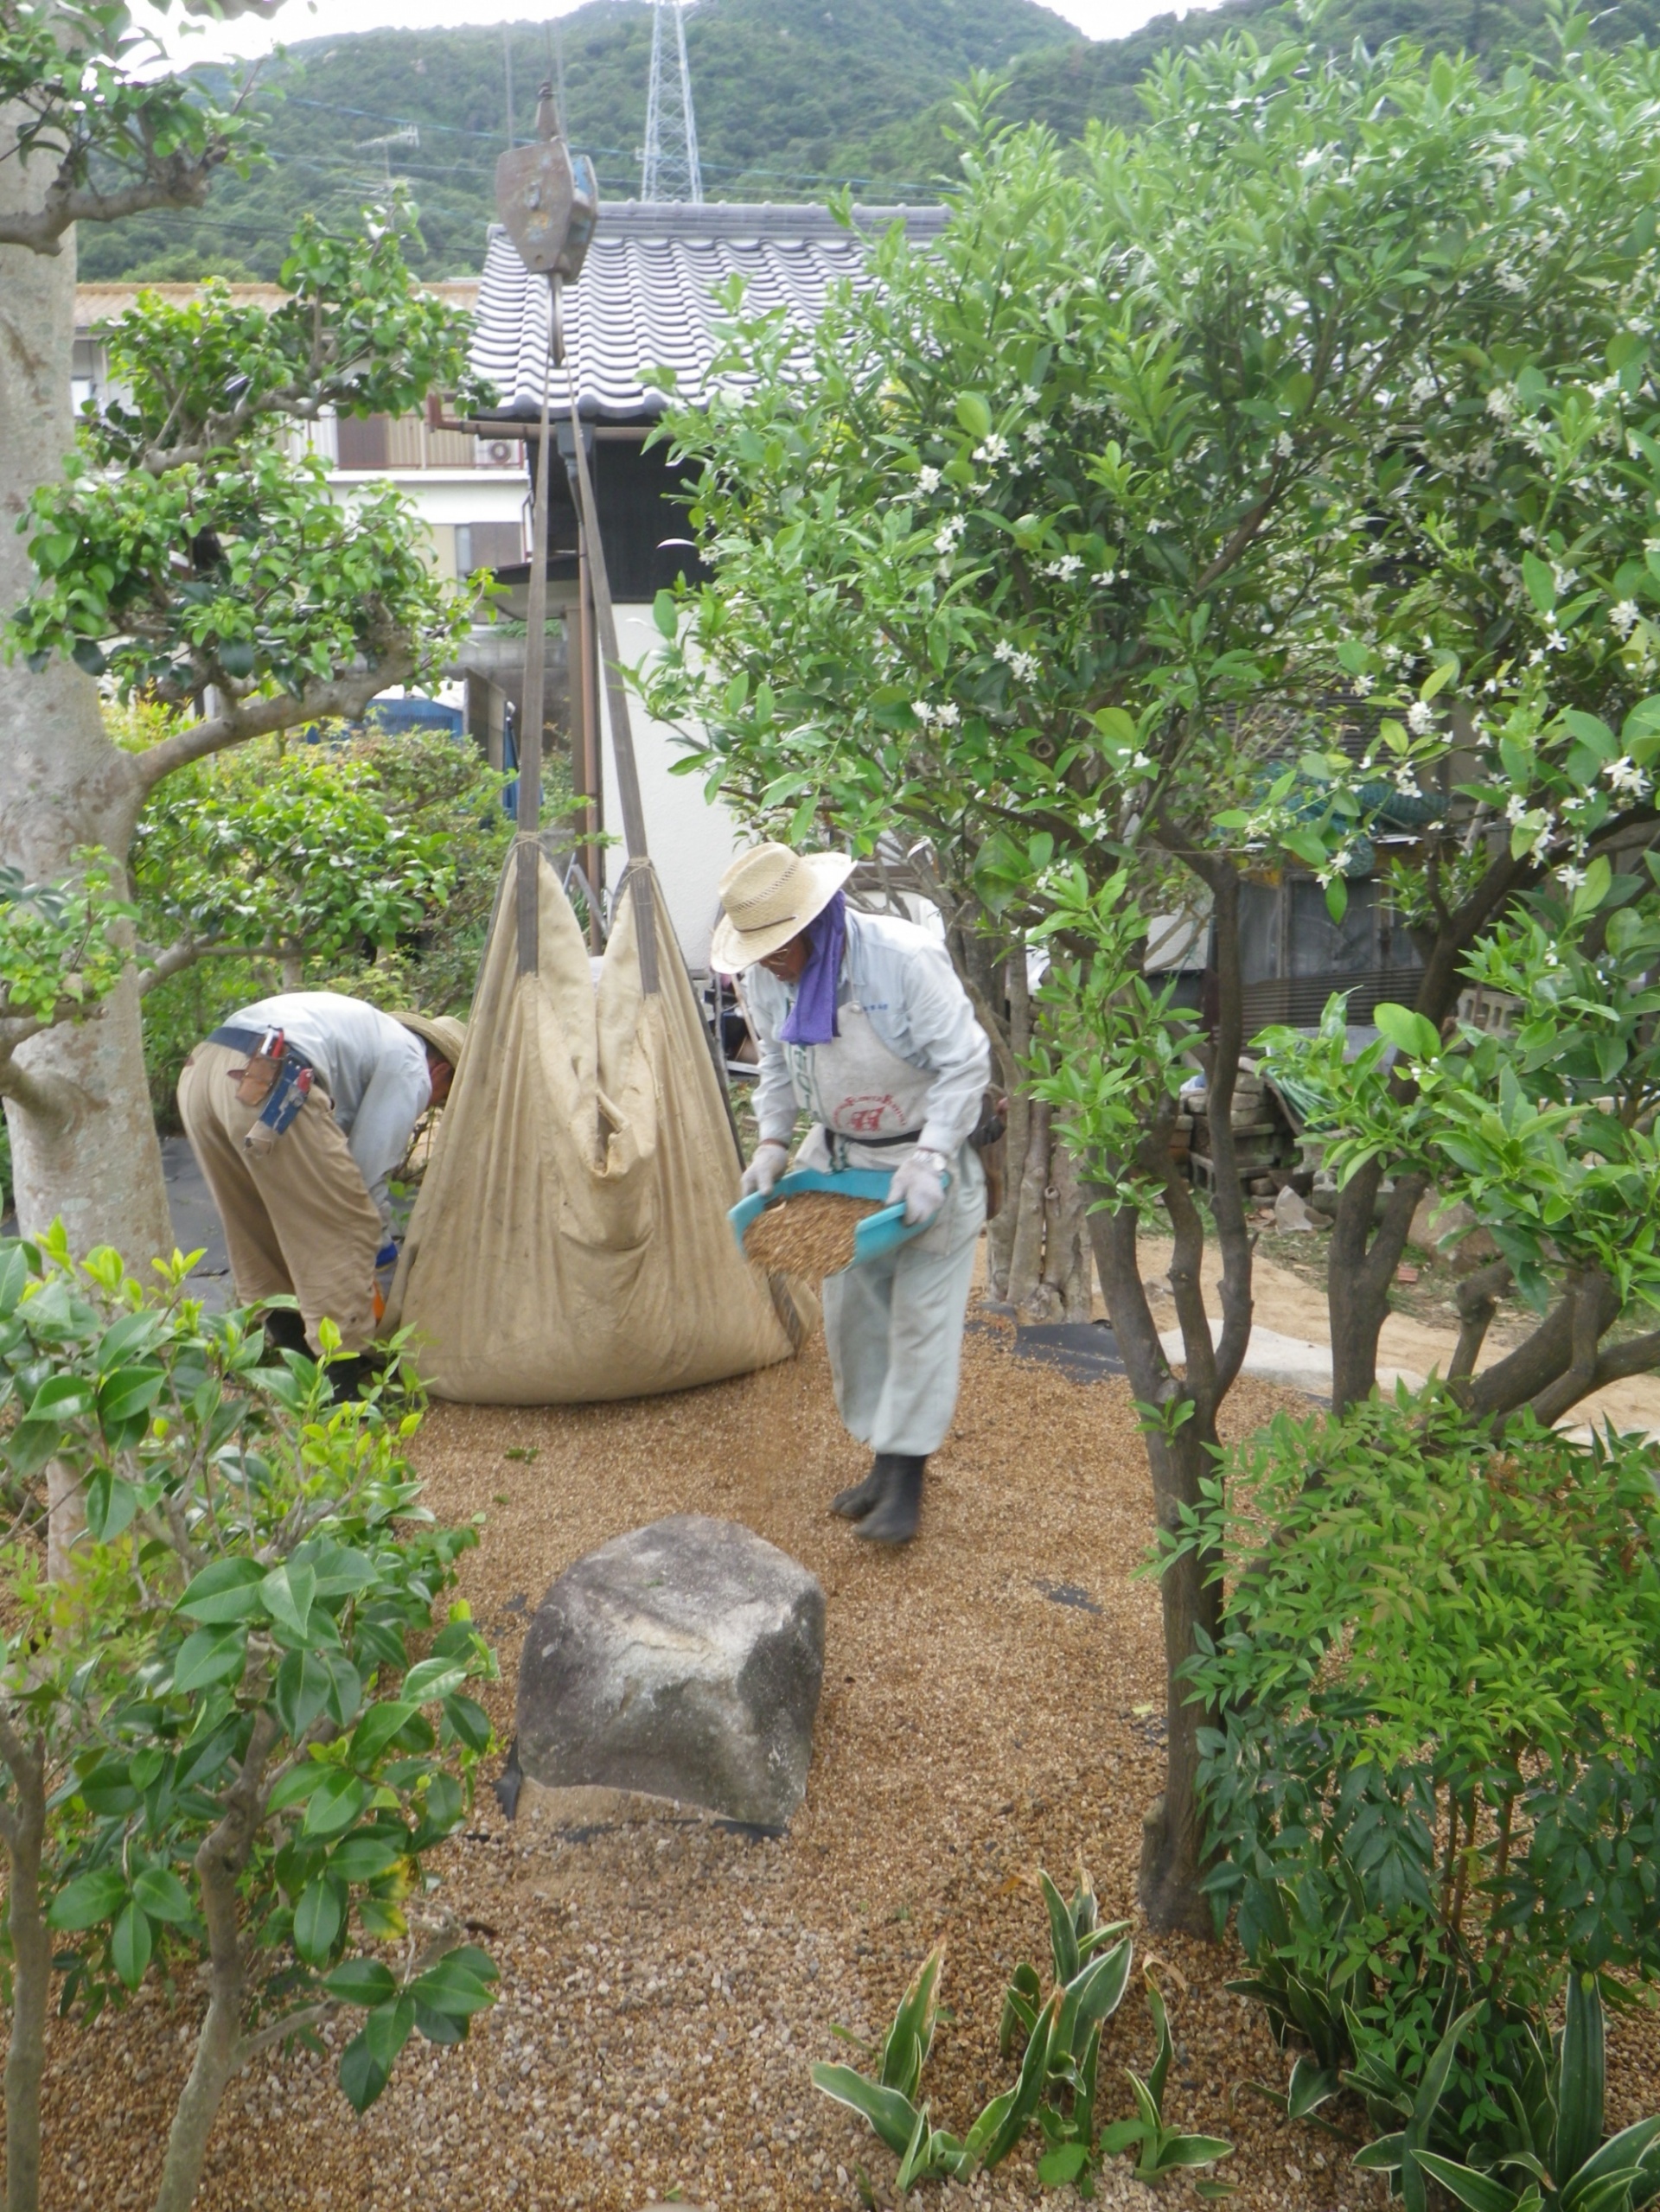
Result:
{"points": [[297, 1219]]}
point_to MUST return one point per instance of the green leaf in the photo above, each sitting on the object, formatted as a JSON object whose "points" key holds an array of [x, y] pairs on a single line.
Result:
{"points": [[1311, 2085], [1062, 2165], [892, 2116], [286, 1594], [1412, 1035], [908, 2042], [210, 1655], [433, 1678], [1541, 580], [1192, 2151], [912, 2163], [1581, 2090], [362, 1981], [110, 1505], [469, 1723], [298, 1783], [338, 1801], [361, 2079], [973, 414], [130, 1943], [388, 2028], [163, 1895], [377, 1729], [1063, 1937], [1479, 2191], [226, 1590], [125, 1399], [365, 1856], [303, 1681], [63, 1398], [1594, 889], [319, 1914], [88, 1901]]}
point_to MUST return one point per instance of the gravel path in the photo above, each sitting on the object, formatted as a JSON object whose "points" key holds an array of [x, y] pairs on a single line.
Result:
{"points": [[990, 1705]]}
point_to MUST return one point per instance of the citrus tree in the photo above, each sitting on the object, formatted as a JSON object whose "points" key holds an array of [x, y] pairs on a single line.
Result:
{"points": [[1271, 489]]}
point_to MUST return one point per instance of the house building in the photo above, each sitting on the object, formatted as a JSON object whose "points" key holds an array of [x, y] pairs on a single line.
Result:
{"points": [[469, 491]]}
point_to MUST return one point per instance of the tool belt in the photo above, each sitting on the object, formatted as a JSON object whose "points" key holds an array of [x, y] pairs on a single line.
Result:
{"points": [[836, 1143], [277, 1078]]}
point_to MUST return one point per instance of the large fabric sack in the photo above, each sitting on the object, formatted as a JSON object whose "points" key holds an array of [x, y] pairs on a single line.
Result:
{"points": [[571, 1241]]}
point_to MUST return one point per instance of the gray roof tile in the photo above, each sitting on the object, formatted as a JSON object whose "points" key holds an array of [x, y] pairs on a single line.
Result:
{"points": [[645, 298]]}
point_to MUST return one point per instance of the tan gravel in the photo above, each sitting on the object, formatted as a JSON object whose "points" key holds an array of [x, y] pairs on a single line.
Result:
{"points": [[991, 1705], [811, 1235]]}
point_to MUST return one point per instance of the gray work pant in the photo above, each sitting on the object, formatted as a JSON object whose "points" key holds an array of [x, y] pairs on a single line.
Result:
{"points": [[894, 1330]]}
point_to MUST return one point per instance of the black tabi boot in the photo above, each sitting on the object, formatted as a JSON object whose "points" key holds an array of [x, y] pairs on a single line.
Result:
{"points": [[352, 1378], [863, 1497], [285, 1332], [894, 1521]]}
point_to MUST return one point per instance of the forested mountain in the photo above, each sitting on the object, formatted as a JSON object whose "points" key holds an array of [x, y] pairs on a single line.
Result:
{"points": [[777, 83], [793, 97]]}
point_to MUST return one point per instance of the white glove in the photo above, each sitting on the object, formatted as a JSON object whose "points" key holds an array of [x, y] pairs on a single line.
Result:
{"points": [[920, 1180], [769, 1161]]}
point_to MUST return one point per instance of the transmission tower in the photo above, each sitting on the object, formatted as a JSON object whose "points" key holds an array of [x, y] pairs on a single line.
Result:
{"points": [[669, 161]]}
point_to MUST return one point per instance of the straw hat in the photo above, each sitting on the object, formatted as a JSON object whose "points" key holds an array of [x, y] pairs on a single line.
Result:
{"points": [[769, 895], [442, 1032]]}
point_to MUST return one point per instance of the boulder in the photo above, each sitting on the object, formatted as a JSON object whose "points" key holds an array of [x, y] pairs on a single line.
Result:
{"points": [[683, 1659], [1291, 1213]]}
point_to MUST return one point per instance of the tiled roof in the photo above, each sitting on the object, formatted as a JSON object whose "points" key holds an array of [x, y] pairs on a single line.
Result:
{"points": [[645, 296]]}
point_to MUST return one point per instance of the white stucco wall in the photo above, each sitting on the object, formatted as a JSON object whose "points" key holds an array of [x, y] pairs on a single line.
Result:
{"points": [[691, 840]]}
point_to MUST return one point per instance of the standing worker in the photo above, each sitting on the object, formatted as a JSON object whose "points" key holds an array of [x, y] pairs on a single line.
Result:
{"points": [[861, 1020], [298, 1109]]}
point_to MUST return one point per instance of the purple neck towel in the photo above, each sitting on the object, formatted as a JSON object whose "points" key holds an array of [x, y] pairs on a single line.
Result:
{"points": [[812, 1019]]}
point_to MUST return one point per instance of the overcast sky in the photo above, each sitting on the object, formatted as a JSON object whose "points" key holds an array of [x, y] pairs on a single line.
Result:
{"points": [[301, 19]]}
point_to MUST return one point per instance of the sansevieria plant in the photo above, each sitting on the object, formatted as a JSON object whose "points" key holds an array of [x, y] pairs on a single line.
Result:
{"points": [[1557, 2159]]}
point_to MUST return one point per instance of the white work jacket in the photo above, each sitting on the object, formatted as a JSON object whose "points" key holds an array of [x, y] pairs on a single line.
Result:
{"points": [[903, 980]]}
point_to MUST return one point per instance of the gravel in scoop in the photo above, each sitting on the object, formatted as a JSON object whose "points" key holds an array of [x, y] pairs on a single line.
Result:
{"points": [[811, 1235]]}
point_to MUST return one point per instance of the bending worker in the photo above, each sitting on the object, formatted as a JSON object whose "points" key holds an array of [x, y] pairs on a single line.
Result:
{"points": [[298, 1109], [861, 1020]]}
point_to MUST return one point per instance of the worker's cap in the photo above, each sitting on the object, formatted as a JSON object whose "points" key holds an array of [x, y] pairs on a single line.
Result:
{"points": [[767, 895], [442, 1032]]}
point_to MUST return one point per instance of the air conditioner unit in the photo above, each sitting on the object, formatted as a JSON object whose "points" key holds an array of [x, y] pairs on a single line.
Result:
{"points": [[498, 453]]}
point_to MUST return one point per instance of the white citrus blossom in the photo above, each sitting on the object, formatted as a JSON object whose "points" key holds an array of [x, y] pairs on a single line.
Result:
{"points": [[1626, 778]]}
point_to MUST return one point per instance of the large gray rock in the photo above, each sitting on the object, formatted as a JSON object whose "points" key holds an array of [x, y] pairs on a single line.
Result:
{"points": [[683, 1660]]}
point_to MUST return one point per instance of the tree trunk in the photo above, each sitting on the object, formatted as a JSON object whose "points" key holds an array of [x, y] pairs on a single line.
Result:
{"points": [[31, 1953], [999, 1258], [1026, 1291], [1362, 1260], [65, 1516], [220, 1863], [63, 785], [1172, 1842], [1068, 1268]]}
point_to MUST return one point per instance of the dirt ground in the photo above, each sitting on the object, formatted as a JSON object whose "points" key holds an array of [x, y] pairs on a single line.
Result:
{"points": [[990, 1705], [1288, 1295]]}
